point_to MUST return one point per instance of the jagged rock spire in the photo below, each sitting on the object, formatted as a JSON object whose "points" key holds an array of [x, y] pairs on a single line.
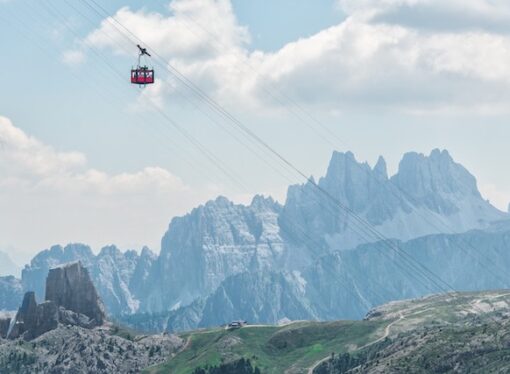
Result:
{"points": [[71, 299], [70, 287]]}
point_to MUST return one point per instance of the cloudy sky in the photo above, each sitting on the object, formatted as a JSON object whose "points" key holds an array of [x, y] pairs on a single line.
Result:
{"points": [[85, 157]]}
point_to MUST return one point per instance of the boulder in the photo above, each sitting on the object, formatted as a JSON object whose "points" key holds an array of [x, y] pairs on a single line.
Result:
{"points": [[68, 317]]}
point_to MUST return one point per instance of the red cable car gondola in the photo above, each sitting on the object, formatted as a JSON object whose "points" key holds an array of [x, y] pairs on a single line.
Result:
{"points": [[142, 75]]}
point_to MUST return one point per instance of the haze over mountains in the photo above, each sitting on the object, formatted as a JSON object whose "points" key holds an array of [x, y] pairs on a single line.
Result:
{"points": [[305, 259], [7, 266]]}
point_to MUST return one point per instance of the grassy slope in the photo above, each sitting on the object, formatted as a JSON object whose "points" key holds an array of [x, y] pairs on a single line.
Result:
{"points": [[273, 349], [296, 347]]}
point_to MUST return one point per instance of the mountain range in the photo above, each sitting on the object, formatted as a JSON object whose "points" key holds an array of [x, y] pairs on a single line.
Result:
{"points": [[334, 249]]}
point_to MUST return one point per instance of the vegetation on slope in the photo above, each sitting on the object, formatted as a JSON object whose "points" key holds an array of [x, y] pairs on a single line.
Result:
{"points": [[446, 333], [483, 347], [272, 349], [240, 366]]}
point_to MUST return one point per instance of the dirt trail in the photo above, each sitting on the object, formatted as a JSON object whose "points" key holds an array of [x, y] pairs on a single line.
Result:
{"points": [[317, 363], [387, 331], [185, 346]]}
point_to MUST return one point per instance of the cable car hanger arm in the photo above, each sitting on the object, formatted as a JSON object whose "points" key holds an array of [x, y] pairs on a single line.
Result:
{"points": [[143, 51]]}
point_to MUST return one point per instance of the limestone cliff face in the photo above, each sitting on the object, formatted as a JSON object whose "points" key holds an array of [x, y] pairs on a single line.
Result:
{"points": [[213, 242], [71, 299], [70, 287]]}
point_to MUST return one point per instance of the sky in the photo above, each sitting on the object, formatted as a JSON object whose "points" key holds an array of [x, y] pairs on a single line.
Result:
{"points": [[86, 157]]}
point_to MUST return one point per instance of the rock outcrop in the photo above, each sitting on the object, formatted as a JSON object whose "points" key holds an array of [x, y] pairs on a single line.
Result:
{"points": [[34, 320], [71, 288], [71, 299], [4, 327]]}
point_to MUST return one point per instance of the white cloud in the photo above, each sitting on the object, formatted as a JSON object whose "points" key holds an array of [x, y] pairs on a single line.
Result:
{"points": [[73, 57], [51, 197], [495, 9], [361, 62], [171, 36], [497, 197], [22, 154]]}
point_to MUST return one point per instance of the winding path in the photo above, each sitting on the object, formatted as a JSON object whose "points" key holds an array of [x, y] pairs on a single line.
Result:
{"points": [[386, 334]]}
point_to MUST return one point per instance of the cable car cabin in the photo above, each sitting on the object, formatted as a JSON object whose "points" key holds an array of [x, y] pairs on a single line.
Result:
{"points": [[142, 76]]}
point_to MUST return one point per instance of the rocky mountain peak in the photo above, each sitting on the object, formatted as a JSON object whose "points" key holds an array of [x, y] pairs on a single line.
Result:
{"points": [[71, 299], [138, 280], [380, 169], [220, 201], [226, 238], [78, 250], [348, 180], [344, 166], [56, 254], [147, 253], [260, 202], [439, 154], [110, 250], [420, 175], [54, 250]]}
